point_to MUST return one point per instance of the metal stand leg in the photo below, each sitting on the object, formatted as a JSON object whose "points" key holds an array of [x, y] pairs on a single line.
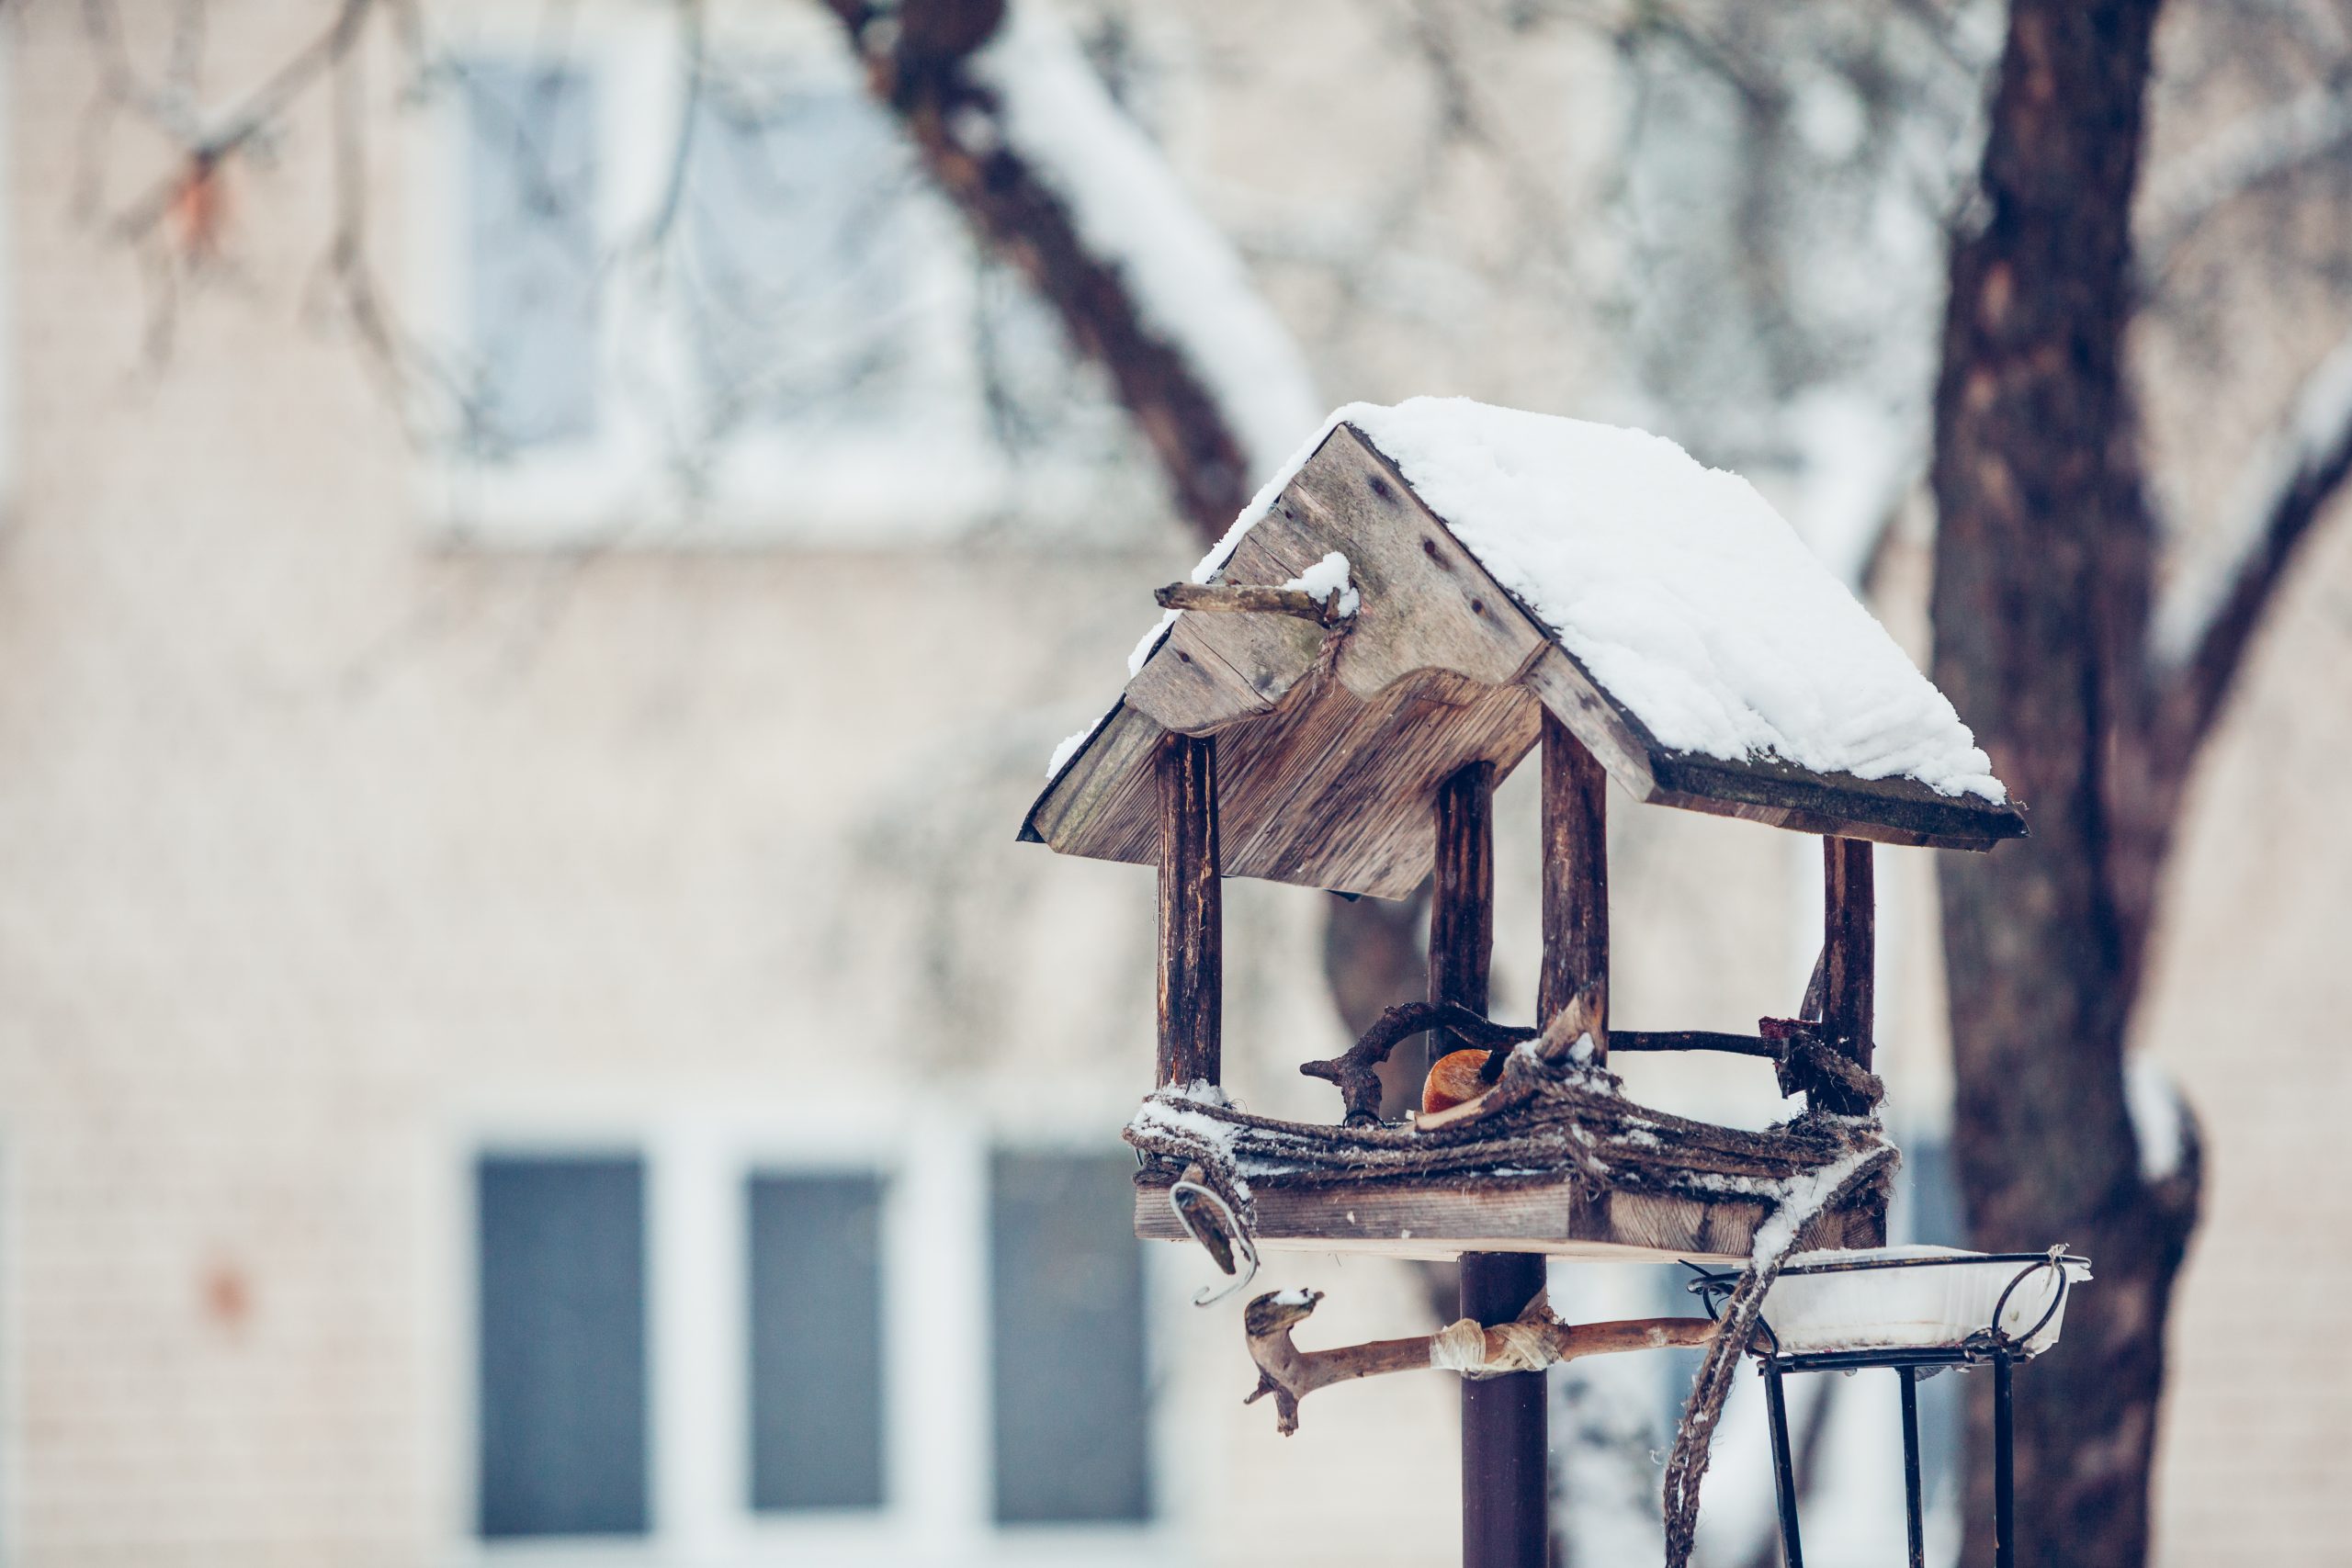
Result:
{"points": [[1910, 1376], [1785, 1473], [1506, 1483], [2005, 1546]]}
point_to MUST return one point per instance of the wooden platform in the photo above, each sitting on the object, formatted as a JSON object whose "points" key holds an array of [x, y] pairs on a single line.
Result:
{"points": [[1399, 1220]]}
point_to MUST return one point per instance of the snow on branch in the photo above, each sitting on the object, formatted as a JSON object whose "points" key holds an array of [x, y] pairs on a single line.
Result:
{"points": [[1188, 282], [2206, 619], [1018, 132], [2245, 153], [2161, 1123]]}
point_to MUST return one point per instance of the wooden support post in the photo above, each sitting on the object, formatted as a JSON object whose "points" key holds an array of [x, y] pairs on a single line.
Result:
{"points": [[1192, 913], [1849, 950], [1576, 876], [1462, 904], [1505, 1480]]}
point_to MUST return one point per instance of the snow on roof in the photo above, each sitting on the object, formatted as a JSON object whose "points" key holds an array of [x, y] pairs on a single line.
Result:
{"points": [[1688, 599]]}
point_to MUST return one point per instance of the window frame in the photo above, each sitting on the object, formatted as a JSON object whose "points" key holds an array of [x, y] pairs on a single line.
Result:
{"points": [[619, 488], [933, 1154]]}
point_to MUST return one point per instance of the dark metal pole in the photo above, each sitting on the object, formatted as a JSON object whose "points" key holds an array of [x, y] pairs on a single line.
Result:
{"points": [[2005, 1544], [1910, 1376], [1505, 1477], [1784, 1469]]}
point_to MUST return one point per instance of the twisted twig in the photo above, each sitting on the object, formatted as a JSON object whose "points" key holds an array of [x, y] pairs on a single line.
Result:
{"points": [[1352, 1069]]}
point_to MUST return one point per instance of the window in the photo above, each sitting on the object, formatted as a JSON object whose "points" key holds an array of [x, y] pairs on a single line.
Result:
{"points": [[531, 234], [815, 1266], [728, 306], [801, 288], [560, 1245], [864, 1344], [1065, 1276]]}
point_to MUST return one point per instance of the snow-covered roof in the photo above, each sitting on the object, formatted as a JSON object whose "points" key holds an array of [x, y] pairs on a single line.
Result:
{"points": [[1660, 609]]}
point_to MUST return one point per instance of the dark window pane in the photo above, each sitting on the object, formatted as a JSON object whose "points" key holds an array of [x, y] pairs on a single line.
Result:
{"points": [[531, 254], [1067, 1293], [562, 1347], [816, 1315]]}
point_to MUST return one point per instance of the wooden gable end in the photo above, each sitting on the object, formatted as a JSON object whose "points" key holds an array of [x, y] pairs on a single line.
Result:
{"points": [[1329, 744]]}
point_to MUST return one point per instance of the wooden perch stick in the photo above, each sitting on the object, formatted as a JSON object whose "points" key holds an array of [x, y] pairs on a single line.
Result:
{"points": [[1352, 1069], [1251, 599], [1535, 1340]]}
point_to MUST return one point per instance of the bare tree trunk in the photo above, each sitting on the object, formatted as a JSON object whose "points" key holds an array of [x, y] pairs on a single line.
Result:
{"points": [[2043, 577]]}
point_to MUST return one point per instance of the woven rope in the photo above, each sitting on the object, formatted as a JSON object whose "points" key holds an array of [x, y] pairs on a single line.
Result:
{"points": [[1687, 1466]]}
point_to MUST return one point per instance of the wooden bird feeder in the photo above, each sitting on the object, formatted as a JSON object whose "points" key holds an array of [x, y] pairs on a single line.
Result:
{"points": [[1434, 592]]}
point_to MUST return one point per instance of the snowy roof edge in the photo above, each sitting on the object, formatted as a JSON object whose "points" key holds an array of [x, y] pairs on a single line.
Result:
{"points": [[1761, 788]]}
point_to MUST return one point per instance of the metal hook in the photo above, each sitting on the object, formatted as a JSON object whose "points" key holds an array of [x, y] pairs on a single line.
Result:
{"points": [[1209, 1295], [2055, 1258]]}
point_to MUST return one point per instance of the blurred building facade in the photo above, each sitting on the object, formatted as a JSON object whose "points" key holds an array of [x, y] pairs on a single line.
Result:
{"points": [[524, 1033]]}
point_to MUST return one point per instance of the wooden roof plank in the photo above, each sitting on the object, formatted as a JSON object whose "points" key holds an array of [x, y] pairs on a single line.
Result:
{"points": [[1199, 682]]}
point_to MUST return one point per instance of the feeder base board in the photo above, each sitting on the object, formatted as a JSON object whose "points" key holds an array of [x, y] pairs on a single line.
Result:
{"points": [[1437, 1221]]}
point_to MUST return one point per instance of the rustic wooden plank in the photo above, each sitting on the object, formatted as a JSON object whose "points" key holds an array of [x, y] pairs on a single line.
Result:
{"points": [[1280, 758], [1436, 1221], [1619, 743], [1760, 789], [1461, 897], [1274, 551], [1328, 790], [1887, 811], [1659, 1220], [1104, 804], [1575, 835], [1192, 985], [1427, 601], [1192, 685], [1214, 670], [1849, 954], [1360, 816]]}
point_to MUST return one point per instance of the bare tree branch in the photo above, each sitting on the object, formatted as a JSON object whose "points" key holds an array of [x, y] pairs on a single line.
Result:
{"points": [[919, 56], [2203, 630], [1535, 1340], [2264, 146], [207, 149]]}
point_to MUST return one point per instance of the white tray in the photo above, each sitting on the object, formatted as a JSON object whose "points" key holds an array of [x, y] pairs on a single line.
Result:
{"points": [[1915, 1297]]}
